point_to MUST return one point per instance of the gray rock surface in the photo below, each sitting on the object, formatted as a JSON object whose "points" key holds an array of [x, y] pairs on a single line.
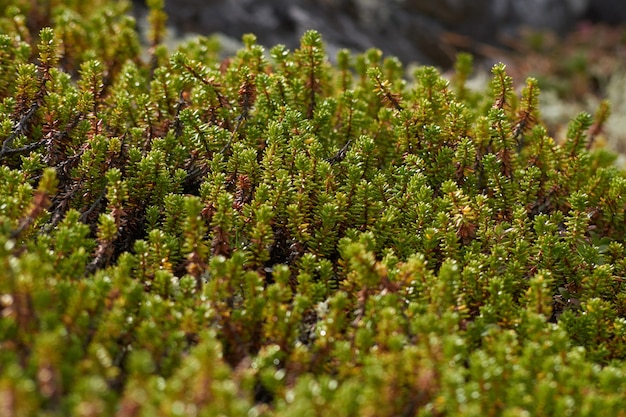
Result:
{"points": [[424, 31]]}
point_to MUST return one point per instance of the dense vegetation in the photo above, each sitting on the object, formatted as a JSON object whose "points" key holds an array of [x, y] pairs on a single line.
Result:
{"points": [[272, 234]]}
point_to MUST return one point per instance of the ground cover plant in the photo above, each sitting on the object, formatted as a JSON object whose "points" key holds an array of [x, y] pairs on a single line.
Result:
{"points": [[274, 235]]}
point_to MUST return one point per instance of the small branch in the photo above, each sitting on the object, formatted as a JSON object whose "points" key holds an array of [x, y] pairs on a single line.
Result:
{"points": [[20, 128], [339, 156]]}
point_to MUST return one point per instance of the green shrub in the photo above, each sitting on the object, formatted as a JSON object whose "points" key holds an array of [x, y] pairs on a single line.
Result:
{"points": [[273, 234]]}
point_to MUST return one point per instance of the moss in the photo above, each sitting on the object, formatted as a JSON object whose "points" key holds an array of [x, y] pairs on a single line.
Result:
{"points": [[273, 234]]}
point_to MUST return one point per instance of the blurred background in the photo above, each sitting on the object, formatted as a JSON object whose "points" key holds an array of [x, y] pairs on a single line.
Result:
{"points": [[425, 31], [576, 48]]}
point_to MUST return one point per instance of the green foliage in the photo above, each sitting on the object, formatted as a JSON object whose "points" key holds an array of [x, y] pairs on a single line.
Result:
{"points": [[277, 235]]}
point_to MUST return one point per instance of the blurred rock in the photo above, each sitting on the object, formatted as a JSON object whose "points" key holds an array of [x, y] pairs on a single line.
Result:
{"points": [[556, 15], [609, 11], [420, 31]]}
